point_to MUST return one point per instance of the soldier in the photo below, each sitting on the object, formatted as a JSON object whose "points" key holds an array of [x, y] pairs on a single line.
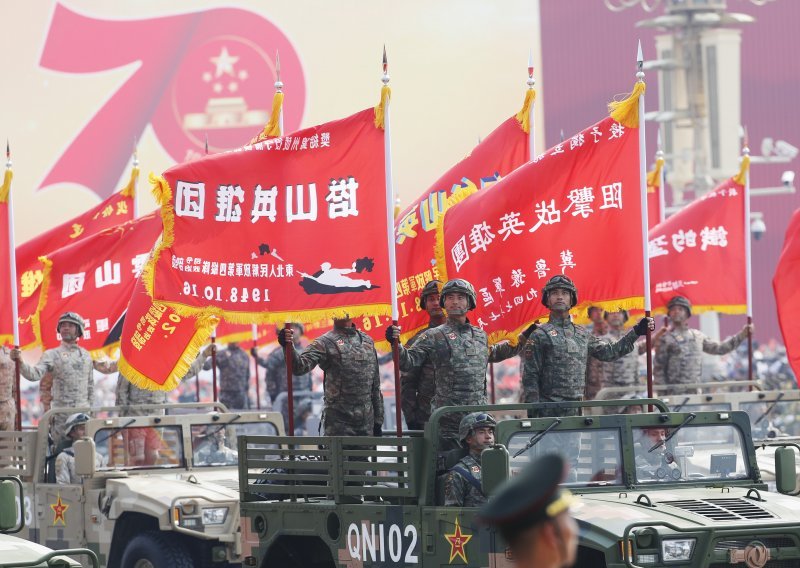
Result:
{"points": [[459, 353], [211, 447], [462, 484], [353, 404], [75, 428], [598, 326], [557, 352], [531, 512], [417, 386], [679, 353], [653, 459], [276, 380], [234, 376], [71, 367], [8, 407]]}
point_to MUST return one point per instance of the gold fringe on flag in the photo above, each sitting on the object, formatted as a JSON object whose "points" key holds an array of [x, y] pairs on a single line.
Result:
{"points": [[380, 109], [273, 126], [47, 267], [130, 189], [626, 111], [5, 189], [524, 115], [654, 176], [741, 177], [163, 196]]}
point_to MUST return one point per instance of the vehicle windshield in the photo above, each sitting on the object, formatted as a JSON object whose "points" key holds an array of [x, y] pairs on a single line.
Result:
{"points": [[215, 444], [595, 456], [693, 453], [773, 419], [140, 446], [678, 405]]}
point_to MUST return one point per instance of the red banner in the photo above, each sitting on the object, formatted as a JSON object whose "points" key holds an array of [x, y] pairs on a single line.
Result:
{"points": [[575, 210], [289, 228], [699, 253], [787, 292], [504, 150], [115, 210], [6, 316], [95, 278], [654, 192], [227, 332]]}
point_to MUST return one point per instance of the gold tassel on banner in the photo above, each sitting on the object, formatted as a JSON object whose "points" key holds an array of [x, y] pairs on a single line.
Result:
{"points": [[273, 127], [5, 189], [386, 95], [626, 111], [524, 115], [743, 169], [130, 189], [654, 176]]}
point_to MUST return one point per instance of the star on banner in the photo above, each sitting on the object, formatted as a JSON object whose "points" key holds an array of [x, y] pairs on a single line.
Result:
{"points": [[457, 542]]}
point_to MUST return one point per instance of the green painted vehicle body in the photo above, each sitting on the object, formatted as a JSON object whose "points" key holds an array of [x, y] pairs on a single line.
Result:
{"points": [[365, 501]]}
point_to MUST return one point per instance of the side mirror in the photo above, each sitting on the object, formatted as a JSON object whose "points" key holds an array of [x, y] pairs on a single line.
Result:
{"points": [[85, 452], [494, 468], [10, 495], [785, 470]]}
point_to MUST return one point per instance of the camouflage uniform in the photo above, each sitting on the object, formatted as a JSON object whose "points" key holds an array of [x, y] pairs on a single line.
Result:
{"points": [[130, 398], [65, 466], [8, 407], [417, 388], [234, 376], [459, 355], [556, 356], [352, 385], [73, 380], [622, 372], [459, 491], [679, 355], [275, 365]]}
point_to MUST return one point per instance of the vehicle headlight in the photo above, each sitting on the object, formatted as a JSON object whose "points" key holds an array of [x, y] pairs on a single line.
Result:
{"points": [[679, 549], [214, 515]]}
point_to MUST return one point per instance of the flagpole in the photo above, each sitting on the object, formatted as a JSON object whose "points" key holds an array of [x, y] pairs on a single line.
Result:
{"points": [[136, 181], [748, 260], [531, 82], [215, 392], [643, 194], [662, 208], [255, 358], [13, 274], [492, 397]]}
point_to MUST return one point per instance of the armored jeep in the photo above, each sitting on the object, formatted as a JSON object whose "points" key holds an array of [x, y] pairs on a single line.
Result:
{"points": [[696, 499], [156, 491]]}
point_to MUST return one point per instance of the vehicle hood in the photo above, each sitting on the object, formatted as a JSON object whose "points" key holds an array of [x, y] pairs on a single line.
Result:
{"points": [[13, 549], [214, 485]]}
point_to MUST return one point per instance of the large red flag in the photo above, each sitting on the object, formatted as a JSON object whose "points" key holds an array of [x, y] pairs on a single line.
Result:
{"points": [[786, 285], [227, 332], [504, 150], [575, 210], [654, 192], [6, 317], [699, 253], [289, 228], [115, 210], [95, 278]]}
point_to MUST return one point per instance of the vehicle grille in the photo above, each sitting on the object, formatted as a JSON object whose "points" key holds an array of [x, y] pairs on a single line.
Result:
{"points": [[722, 509], [769, 542]]}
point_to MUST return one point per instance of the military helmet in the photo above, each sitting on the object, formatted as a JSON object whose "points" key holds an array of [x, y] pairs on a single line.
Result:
{"points": [[680, 301], [624, 313], [75, 420], [72, 317], [563, 282], [462, 286], [472, 421], [432, 287]]}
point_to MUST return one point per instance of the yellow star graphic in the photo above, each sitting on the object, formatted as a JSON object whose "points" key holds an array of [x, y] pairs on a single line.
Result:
{"points": [[224, 62], [457, 542], [59, 510]]}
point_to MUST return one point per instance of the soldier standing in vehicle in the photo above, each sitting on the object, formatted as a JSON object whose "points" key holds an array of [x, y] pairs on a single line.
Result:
{"points": [[417, 386], [531, 512], [679, 354], [72, 369], [353, 403], [75, 429], [460, 354], [8, 407], [234, 376], [462, 484], [557, 352]]}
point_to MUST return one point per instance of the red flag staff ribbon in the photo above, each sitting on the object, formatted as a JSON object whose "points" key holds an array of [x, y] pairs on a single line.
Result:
{"points": [[5, 192]]}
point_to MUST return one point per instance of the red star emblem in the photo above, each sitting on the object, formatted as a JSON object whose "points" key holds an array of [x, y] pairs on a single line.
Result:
{"points": [[59, 509], [458, 541]]}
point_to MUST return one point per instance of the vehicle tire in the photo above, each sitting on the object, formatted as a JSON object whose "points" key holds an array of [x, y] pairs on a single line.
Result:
{"points": [[156, 550]]}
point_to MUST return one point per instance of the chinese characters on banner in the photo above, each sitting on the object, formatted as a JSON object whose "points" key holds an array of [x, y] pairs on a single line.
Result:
{"points": [[6, 316], [787, 292], [113, 211], [288, 228], [699, 253], [574, 210], [95, 278], [504, 150]]}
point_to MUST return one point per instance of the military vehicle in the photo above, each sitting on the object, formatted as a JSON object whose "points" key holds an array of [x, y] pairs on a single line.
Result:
{"points": [[18, 552], [696, 499], [155, 492]]}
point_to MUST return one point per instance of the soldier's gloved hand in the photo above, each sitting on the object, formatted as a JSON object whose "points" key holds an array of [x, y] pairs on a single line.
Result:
{"points": [[15, 354], [529, 330], [282, 337], [392, 333], [377, 429], [253, 352], [643, 325]]}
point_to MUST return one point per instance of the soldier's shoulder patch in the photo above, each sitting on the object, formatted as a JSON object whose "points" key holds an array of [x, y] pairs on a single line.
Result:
{"points": [[475, 469], [553, 332], [340, 342], [451, 335]]}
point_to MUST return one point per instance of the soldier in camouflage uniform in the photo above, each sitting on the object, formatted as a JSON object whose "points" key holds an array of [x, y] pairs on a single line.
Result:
{"points": [[72, 369], [417, 386], [234, 376], [679, 353], [459, 353], [462, 484], [75, 429], [557, 352], [353, 403], [8, 407]]}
